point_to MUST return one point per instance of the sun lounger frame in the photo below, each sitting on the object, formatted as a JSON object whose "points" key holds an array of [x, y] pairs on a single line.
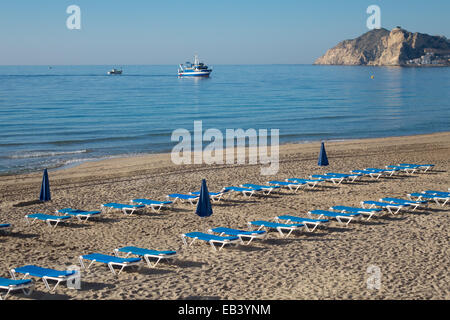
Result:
{"points": [[155, 207], [82, 216], [27, 288], [212, 242], [390, 207], [423, 167], [126, 210], [435, 198], [45, 279], [246, 192], [334, 180], [147, 256], [361, 211], [192, 199], [293, 186], [214, 196], [266, 225], [55, 219], [294, 219], [407, 170], [266, 190], [311, 183], [241, 236], [413, 204], [372, 174], [110, 264], [334, 215]]}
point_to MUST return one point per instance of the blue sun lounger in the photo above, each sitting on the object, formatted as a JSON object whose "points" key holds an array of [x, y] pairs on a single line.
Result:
{"points": [[311, 183], [387, 172], [334, 215], [110, 261], [413, 204], [183, 198], [46, 274], [308, 222], [147, 254], [127, 209], [5, 227], [436, 198], [246, 192], [293, 186], [214, 196], [250, 235], [266, 189], [373, 174], [362, 211], [210, 238], [351, 177], [423, 167], [10, 285], [47, 218], [334, 180], [408, 170], [437, 193], [261, 224], [391, 207], [81, 215], [156, 206]]}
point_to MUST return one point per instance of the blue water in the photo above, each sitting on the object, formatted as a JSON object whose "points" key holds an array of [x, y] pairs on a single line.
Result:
{"points": [[68, 114]]}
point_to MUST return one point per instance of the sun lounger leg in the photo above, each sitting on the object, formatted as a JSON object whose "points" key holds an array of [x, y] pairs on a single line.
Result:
{"points": [[80, 259], [212, 245], [282, 235], [184, 240], [47, 285], [50, 224], [315, 225], [149, 263], [110, 266], [155, 209]]}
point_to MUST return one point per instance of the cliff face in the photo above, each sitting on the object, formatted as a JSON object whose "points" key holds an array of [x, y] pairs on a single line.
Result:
{"points": [[381, 47]]}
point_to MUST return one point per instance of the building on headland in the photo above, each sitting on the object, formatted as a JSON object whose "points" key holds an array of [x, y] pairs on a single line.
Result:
{"points": [[431, 57]]}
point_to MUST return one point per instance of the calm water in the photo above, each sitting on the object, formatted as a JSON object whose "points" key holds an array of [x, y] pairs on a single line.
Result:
{"points": [[65, 115]]}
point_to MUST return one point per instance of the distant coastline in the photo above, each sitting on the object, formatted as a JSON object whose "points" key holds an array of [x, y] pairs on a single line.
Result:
{"points": [[399, 47]]}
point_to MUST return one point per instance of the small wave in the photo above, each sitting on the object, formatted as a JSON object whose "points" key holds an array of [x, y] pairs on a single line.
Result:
{"points": [[42, 154]]}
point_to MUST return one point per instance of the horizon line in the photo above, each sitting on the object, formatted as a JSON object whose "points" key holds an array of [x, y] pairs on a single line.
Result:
{"points": [[145, 64]]}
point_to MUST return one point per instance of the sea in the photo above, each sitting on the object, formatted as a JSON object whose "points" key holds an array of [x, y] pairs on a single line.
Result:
{"points": [[59, 116]]}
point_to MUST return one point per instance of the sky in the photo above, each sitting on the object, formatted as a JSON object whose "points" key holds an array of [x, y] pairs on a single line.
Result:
{"points": [[220, 31]]}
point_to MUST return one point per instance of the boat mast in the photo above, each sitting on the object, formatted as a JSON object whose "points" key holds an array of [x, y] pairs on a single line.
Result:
{"points": [[196, 59]]}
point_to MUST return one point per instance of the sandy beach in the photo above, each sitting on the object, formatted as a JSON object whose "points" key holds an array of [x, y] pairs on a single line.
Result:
{"points": [[411, 249]]}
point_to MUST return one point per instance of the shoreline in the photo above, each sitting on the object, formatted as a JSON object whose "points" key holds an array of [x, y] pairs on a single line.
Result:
{"points": [[75, 163]]}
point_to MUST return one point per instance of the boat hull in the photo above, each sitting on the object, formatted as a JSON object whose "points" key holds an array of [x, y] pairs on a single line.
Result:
{"points": [[194, 74]]}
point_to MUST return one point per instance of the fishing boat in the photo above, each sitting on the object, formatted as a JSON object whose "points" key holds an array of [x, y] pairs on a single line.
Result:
{"points": [[196, 69], [115, 71]]}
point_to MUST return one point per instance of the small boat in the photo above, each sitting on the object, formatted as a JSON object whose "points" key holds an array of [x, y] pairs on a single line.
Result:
{"points": [[115, 71], [196, 69]]}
